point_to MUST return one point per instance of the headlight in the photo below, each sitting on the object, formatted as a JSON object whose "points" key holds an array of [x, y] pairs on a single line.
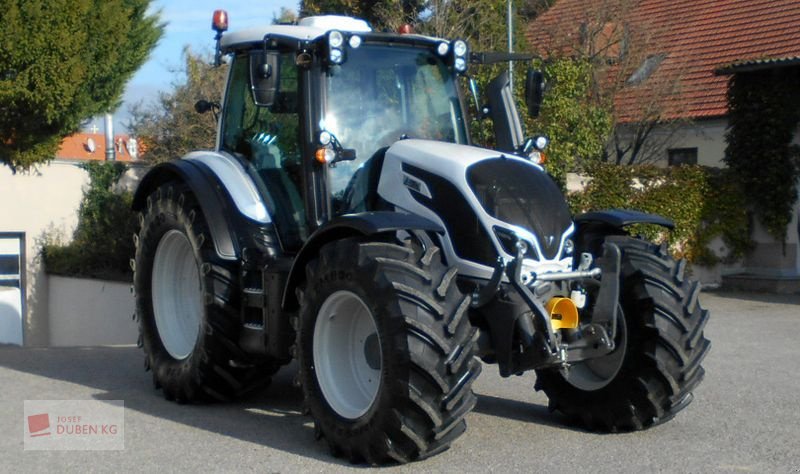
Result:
{"points": [[442, 49], [355, 41], [569, 247], [325, 138], [461, 64]]}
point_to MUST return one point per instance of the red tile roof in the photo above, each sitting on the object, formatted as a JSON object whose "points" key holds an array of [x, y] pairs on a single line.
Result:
{"points": [[698, 37], [76, 147]]}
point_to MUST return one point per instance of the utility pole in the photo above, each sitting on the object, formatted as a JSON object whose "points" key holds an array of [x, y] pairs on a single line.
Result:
{"points": [[510, 28]]}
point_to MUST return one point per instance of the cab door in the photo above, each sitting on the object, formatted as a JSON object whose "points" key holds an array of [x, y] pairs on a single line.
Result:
{"points": [[267, 139]]}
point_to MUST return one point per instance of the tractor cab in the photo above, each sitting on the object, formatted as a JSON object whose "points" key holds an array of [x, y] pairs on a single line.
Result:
{"points": [[311, 109]]}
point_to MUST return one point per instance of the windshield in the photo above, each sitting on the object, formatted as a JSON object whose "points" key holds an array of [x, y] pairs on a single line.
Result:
{"points": [[382, 93]]}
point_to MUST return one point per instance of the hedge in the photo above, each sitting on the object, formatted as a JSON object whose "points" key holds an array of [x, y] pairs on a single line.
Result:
{"points": [[102, 243], [705, 203]]}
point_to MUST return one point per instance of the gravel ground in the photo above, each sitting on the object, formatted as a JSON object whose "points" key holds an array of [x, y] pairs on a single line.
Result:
{"points": [[744, 416]]}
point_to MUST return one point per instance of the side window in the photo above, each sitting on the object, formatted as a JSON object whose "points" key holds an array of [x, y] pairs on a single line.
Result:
{"points": [[682, 156], [268, 137]]}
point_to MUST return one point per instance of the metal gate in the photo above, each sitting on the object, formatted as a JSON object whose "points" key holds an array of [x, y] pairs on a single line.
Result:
{"points": [[12, 286]]}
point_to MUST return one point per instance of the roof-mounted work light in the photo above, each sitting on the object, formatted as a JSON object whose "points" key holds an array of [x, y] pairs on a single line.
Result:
{"points": [[460, 52]]}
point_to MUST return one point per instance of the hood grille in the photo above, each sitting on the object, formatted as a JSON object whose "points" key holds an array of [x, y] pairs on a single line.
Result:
{"points": [[519, 193]]}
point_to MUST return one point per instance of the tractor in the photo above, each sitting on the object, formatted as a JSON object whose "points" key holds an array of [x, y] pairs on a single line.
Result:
{"points": [[344, 221]]}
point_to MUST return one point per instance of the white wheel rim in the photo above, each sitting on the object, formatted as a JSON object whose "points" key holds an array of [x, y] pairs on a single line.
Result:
{"points": [[347, 354], [177, 294]]}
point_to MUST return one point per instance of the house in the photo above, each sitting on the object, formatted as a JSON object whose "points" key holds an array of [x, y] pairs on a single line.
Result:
{"points": [[39, 205], [687, 43], [675, 60], [92, 147]]}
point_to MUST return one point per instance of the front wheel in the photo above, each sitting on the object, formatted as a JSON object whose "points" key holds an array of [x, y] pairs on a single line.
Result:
{"points": [[385, 351], [660, 345]]}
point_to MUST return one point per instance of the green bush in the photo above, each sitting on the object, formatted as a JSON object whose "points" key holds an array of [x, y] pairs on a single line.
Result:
{"points": [[704, 203], [102, 244]]}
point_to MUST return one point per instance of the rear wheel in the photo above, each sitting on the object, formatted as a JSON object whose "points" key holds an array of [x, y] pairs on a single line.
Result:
{"points": [[660, 345], [385, 351], [187, 305]]}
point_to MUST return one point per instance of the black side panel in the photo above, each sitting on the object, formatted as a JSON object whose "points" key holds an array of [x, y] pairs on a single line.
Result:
{"points": [[213, 200], [470, 240], [519, 193]]}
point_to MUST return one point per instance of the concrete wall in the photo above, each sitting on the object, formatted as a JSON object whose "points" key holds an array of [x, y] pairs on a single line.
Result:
{"points": [[90, 312], [42, 201]]}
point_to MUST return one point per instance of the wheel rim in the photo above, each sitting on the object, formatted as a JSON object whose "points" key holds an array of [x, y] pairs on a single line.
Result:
{"points": [[595, 374], [347, 354], [177, 294]]}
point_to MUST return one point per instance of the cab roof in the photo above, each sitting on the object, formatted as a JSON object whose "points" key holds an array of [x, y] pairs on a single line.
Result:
{"points": [[307, 29]]}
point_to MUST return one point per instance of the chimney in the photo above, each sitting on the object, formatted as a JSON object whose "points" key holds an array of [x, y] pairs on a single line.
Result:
{"points": [[109, 126]]}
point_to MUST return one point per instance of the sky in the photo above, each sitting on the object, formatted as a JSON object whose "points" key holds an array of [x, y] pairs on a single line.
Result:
{"points": [[188, 23]]}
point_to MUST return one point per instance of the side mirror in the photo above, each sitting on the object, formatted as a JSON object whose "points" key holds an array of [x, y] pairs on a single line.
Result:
{"points": [[265, 76], [503, 111], [534, 91], [202, 106]]}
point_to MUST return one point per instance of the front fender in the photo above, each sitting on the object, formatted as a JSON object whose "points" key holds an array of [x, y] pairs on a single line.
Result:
{"points": [[621, 218], [342, 227], [593, 227], [211, 199]]}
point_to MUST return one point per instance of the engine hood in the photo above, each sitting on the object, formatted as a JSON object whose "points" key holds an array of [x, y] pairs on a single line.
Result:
{"points": [[479, 196]]}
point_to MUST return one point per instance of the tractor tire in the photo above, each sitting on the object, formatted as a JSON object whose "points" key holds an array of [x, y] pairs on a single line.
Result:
{"points": [[187, 305], [650, 376], [385, 351]]}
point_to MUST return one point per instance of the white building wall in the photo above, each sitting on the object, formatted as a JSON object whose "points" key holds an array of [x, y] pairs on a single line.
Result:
{"points": [[45, 200], [708, 136], [36, 202]]}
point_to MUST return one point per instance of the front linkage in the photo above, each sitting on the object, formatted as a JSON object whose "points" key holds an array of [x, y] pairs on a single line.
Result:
{"points": [[540, 345]]}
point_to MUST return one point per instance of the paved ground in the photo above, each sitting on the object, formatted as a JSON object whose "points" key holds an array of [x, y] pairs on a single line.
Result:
{"points": [[745, 416]]}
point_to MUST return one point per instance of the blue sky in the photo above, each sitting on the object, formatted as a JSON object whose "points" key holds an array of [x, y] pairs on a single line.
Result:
{"points": [[188, 23]]}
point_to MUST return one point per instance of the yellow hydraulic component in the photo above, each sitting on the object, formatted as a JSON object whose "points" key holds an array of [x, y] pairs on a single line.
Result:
{"points": [[563, 313]]}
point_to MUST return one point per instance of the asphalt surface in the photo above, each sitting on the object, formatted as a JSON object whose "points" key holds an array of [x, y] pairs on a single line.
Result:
{"points": [[745, 416]]}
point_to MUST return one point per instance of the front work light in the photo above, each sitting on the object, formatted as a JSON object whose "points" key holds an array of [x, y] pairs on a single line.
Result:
{"points": [[335, 39], [460, 48], [336, 56]]}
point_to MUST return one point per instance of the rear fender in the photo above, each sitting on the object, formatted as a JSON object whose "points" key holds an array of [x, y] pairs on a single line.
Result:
{"points": [[222, 190]]}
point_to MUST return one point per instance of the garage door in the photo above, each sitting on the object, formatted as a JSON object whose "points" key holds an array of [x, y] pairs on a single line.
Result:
{"points": [[12, 286]]}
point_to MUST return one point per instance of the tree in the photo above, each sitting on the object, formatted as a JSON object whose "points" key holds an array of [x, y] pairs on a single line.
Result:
{"points": [[576, 121], [61, 62], [171, 127], [286, 16]]}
